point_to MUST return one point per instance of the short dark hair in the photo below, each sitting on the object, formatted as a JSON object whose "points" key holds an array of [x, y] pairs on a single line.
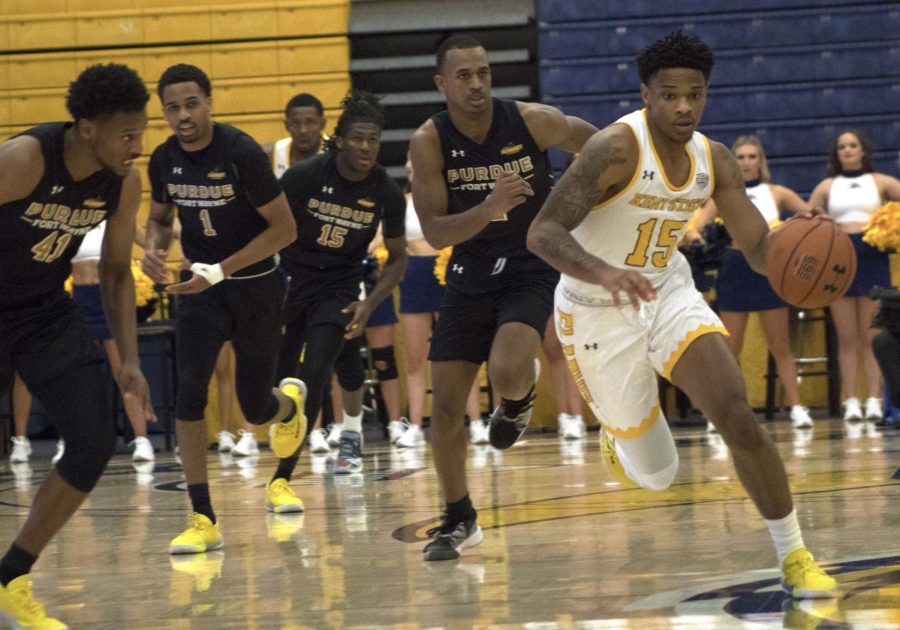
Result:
{"points": [[675, 50], [835, 167], [304, 100], [103, 90], [451, 43], [183, 73], [359, 106]]}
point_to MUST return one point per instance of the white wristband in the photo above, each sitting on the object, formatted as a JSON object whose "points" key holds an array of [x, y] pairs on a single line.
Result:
{"points": [[211, 273]]}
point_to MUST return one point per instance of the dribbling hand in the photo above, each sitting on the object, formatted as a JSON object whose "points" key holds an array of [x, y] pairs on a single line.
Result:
{"points": [[509, 191]]}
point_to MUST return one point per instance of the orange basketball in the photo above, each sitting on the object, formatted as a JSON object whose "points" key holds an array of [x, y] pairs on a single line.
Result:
{"points": [[811, 261]]}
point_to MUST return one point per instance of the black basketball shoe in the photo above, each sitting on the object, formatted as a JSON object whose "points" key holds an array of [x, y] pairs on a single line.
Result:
{"points": [[509, 421], [452, 537]]}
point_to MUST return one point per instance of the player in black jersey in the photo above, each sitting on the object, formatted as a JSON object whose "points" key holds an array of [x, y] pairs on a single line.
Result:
{"points": [[234, 219], [338, 199], [481, 176], [57, 181]]}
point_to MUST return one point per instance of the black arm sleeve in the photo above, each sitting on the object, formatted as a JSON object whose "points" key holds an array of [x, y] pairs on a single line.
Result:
{"points": [[394, 224], [255, 171]]}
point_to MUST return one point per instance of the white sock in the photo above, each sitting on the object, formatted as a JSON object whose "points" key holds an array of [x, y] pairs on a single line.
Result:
{"points": [[786, 535], [353, 423]]}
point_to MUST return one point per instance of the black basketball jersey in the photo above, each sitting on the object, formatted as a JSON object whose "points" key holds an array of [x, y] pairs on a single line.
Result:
{"points": [[41, 233], [470, 169], [337, 218], [217, 191]]}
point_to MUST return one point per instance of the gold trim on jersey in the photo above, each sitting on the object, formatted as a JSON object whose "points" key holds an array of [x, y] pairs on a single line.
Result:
{"points": [[709, 162], [634, 175], [659, 163], [695, 334], [634, 432]]}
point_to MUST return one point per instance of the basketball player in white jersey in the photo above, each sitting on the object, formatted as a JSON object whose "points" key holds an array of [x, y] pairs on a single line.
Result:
{"points": [[304, 119], [611, 226]]}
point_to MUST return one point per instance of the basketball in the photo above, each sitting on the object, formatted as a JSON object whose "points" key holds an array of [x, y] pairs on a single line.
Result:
{"points": [[811, 261]]}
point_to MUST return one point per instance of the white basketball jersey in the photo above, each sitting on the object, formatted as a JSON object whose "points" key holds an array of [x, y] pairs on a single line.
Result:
{"points": [[853, 199], [640, 227], [281, 156], [761, 196]]}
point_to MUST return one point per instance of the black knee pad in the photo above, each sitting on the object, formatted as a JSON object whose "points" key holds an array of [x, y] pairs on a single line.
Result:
{"points": [[385, 355], [88, 451]]}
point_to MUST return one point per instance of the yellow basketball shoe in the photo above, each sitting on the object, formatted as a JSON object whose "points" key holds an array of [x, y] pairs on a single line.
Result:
{"points": [[20, 609], [286, 437], [803, 578], [611, 459], [201, 535], [280, 498]]}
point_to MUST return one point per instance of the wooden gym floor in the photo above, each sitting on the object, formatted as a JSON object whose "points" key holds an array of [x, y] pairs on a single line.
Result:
{"points": [[565, 546]]}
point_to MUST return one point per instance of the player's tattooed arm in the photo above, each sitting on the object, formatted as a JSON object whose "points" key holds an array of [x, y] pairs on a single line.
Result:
{"points": [[744, 221], [585, 184], [601, 170]]}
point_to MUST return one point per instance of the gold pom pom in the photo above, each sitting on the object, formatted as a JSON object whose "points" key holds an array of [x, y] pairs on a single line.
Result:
{"points": [[381, 255], [143, 285], [440, 264], [882, 231]]}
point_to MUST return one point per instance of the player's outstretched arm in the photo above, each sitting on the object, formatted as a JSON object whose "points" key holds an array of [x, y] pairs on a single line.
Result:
{"points": [[388, 278], [551, 128], [745, 223], [604, 165], [430, 195]]}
